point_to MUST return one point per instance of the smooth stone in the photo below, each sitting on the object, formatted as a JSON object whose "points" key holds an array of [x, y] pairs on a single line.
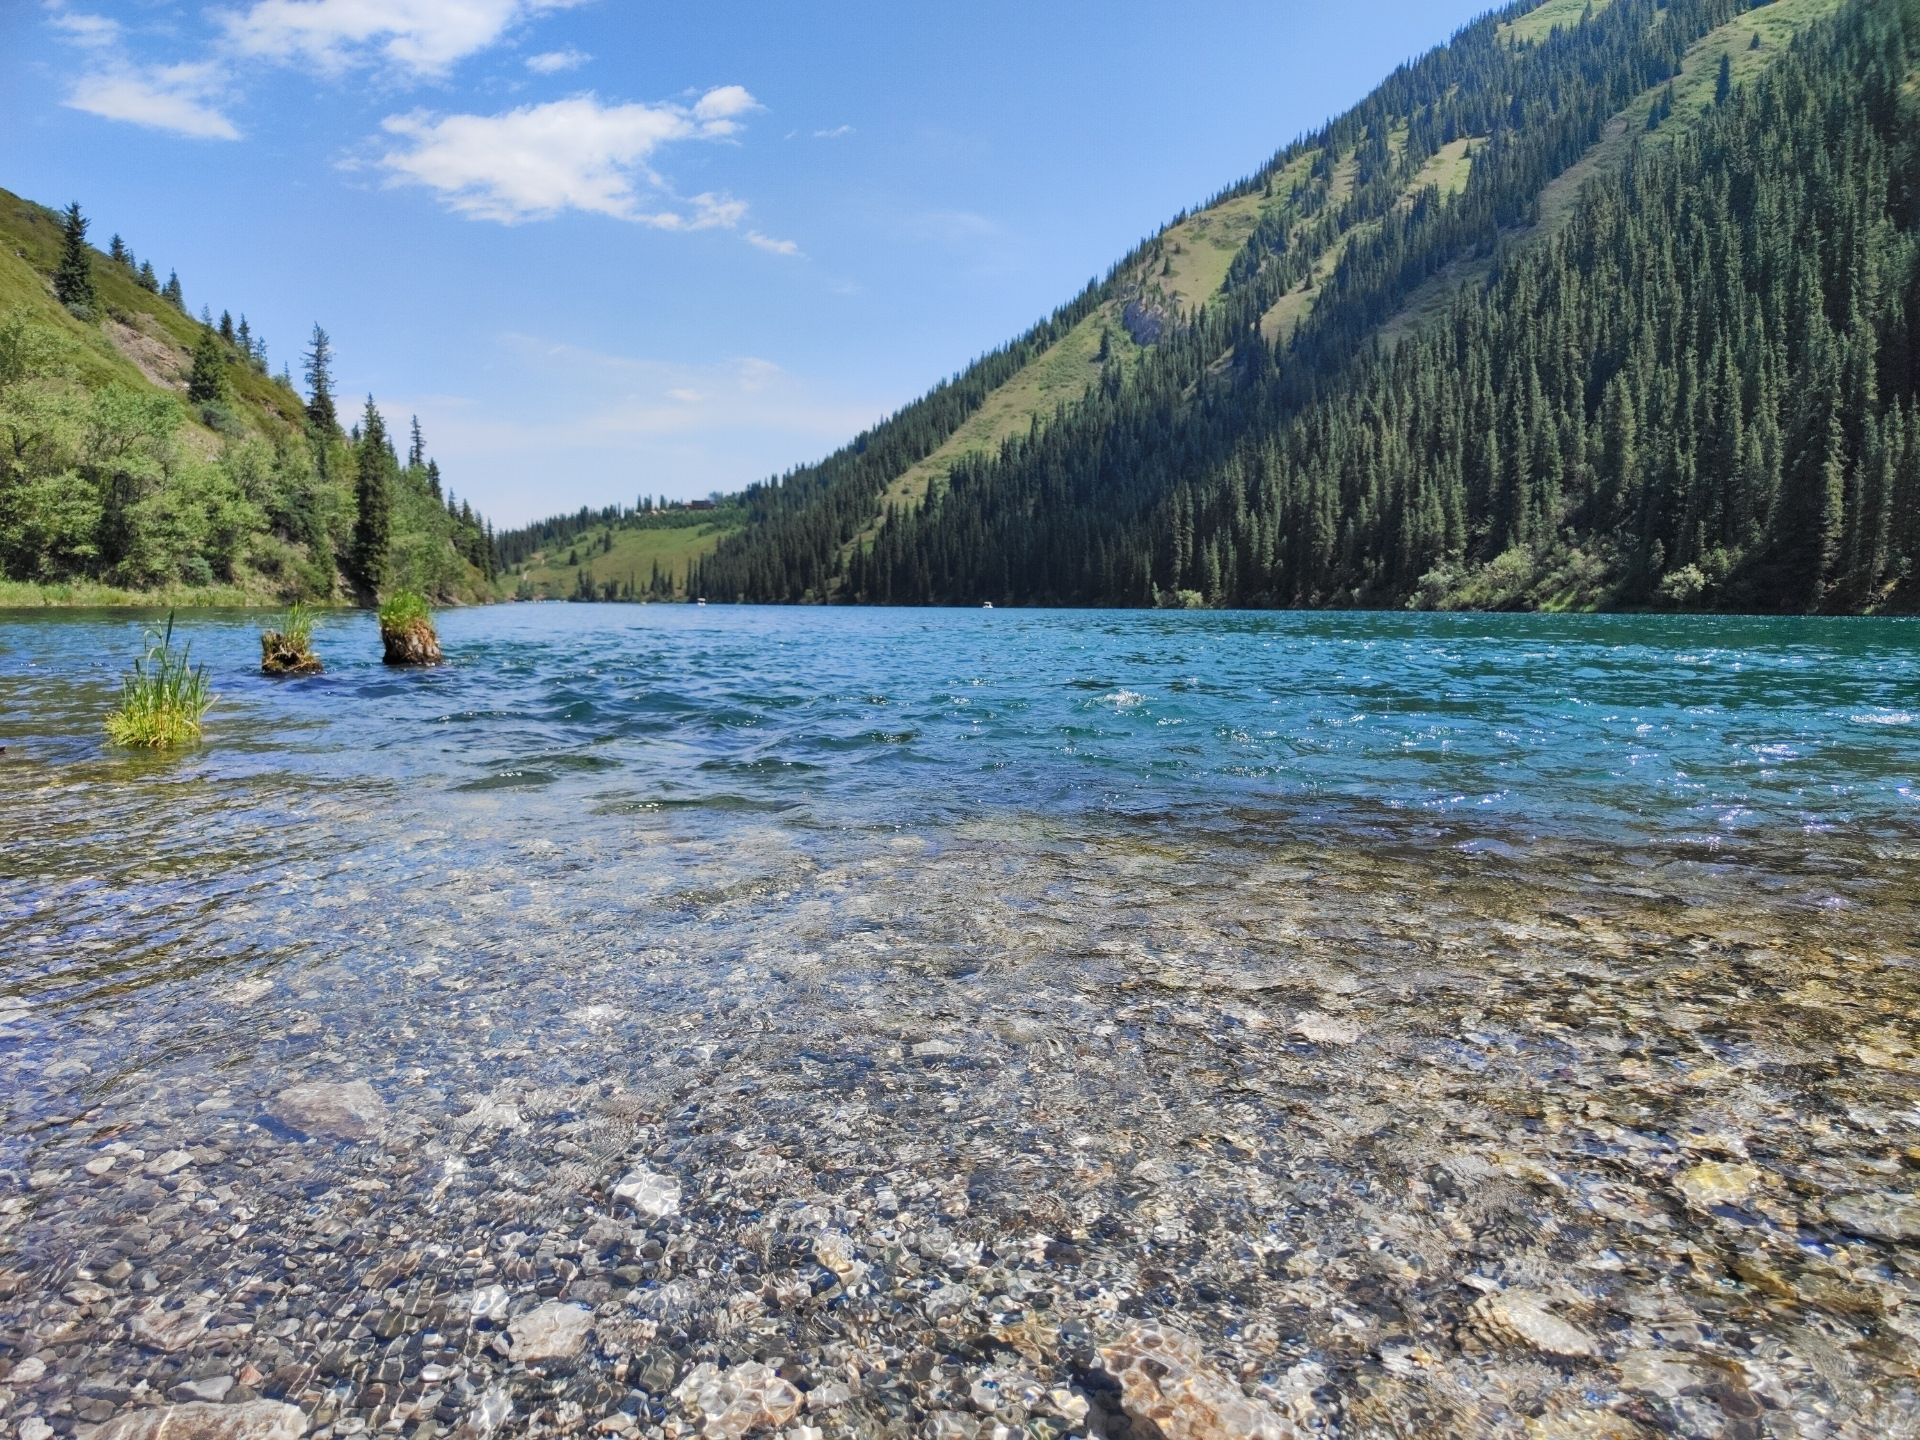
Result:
{"points": [[341, 1110], [554, 1331], [1882, 1216], [1718, 1183], [1518, 1317], [168, 1330], [209, 1387], [27, 1371], [1319, 1028], [649, 1193], [1165, 1378], [255, 1420], [733, 1403], [489, 1303]]}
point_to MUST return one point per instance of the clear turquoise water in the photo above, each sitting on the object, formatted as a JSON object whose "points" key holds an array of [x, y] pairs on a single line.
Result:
{"points": [[1607, 727], [1253, 952]]}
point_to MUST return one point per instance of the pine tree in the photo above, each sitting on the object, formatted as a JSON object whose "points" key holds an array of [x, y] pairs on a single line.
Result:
{"points": [[373, 505], [172, 291], [207, 384], [227, 334], [319, 372], [73, 277], [148, 280], [1723, 84], [117, 249], [417, 451]]}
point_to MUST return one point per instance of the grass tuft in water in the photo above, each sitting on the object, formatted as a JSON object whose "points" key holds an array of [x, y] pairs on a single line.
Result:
{"points": [[406, 630], [289, 650], [163, 698]]}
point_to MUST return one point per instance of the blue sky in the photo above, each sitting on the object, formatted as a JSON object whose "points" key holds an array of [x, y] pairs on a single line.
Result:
{"points": [[605, 249]]}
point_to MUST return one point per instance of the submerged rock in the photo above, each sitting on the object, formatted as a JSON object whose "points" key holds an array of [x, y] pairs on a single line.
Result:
{"points": [[1716, 1183], [552, 1332], [168, 1330], [1514, 1317], [254, 1420], [1165, 1379], [1879, 1216], [728, 1404], [1322, 1029], [654, 1195], [344, 1110]]}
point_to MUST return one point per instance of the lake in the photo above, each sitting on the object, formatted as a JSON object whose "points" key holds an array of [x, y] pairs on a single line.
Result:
{"points": [[1459, 1025]]}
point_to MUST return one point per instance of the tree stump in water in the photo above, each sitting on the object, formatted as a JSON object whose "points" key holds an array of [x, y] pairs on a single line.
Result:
{"points": [[411, 642], [287, 655]]}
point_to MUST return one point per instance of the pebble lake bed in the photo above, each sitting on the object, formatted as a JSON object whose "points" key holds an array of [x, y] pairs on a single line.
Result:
{"points": [[667, 1022]]}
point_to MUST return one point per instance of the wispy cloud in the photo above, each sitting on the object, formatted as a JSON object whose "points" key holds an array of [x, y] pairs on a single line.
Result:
{"points": [[552, 62], [539, 160], [177, 98], [422, 36], [833, 134], [183, 99], [768, 243]]}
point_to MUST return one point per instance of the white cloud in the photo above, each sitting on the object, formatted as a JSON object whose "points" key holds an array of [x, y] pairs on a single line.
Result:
{"points": [[93, 32], [577, 154], [424, 36], [554, 61], [833, 134], [768, 243], [177, 98]]}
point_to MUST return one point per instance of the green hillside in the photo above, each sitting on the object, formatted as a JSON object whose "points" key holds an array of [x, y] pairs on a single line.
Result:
{"points": [[152, 457], [1222, 451], [632, 555]]}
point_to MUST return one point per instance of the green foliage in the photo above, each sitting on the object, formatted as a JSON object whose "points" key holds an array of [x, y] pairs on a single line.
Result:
{"points": [[163, 699], [207, 384], [374, 468], [405, 608], [289, 649], [318, 367], [73, 279], [110, 489]]}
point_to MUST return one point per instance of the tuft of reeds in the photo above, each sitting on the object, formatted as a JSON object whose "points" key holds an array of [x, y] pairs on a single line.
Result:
{"points": [[289, 650], [163, 698], [406, 630]]}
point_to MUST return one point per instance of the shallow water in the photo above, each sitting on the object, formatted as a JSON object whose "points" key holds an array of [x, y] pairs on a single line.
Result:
{"points": [[1457, 1025]]}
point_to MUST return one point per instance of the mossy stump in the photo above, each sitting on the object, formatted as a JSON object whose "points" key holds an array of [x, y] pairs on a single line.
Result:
{"points": [[406, 629], [282, 654], [411, 642]]}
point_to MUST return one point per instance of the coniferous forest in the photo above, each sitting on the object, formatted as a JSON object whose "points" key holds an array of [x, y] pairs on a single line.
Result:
{"points": [[1687, 378]]}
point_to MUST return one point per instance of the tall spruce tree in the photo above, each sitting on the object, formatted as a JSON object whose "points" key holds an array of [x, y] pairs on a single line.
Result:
{"points": [[373, 505], [207, 384], [321, 414], [73, 278]]}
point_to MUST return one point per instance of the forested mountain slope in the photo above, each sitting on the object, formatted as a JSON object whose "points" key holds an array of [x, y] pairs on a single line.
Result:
{"points": [[146, 455], [1594, 306]]}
